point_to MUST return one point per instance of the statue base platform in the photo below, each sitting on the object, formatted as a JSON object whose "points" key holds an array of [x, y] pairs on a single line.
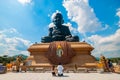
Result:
{"points": [[82, 52]]}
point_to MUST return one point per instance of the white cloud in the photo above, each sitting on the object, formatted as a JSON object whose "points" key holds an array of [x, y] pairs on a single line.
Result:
{"points": [[25, 1], [12, 44], [119, 23], [118, 14], [109, 46], [80, 12]]}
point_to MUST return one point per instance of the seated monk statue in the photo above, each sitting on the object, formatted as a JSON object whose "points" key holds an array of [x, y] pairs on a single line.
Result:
{"points": [[59, 32]]}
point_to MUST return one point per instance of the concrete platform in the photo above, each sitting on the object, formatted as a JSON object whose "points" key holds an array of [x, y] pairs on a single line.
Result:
{"points": [[67, 76]]}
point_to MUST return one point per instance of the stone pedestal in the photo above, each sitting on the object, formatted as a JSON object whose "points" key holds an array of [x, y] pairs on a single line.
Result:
{"points": [[82, 52]]}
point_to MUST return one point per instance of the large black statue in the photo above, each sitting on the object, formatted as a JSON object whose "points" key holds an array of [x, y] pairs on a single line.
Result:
{"points": [[59, 32]]}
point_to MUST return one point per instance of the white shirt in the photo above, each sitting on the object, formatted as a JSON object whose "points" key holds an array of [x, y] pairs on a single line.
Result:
{"points": [[60, 69]]}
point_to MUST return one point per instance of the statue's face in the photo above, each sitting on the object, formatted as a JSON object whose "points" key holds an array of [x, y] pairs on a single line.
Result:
{"points": [[57, 19]]}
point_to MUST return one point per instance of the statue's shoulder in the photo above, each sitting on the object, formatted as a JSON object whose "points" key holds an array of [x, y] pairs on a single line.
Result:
{"points": [[51, 28], [65, 26]]}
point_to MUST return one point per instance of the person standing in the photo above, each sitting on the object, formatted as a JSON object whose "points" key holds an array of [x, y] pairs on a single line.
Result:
{"points": [[60, 69], [110, 66]]}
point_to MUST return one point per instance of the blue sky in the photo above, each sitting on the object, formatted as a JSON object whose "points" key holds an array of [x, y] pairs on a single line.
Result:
{"points": [[24, 22]]}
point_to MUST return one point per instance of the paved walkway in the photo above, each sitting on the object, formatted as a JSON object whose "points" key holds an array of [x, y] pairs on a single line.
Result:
{"points": [[67, 76]]}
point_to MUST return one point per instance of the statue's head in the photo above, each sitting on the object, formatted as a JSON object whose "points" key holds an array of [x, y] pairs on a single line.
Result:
{"points": [[57, 18]]}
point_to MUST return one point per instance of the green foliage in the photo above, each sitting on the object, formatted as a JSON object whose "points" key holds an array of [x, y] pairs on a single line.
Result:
{"points": [[97, 58], [1, 59], [115, 60], [7, 59]]}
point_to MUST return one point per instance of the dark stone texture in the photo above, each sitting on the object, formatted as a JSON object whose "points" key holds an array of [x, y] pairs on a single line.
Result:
{"points": [[59, 32]]}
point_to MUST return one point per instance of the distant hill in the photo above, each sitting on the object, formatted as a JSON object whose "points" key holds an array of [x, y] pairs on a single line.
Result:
{"points": [[23, 56], [97, 58]]}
